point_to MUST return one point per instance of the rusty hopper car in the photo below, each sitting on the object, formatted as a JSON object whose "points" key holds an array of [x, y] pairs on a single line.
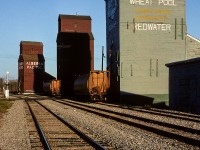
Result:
{"points": [[94, 85], [52, 87]]}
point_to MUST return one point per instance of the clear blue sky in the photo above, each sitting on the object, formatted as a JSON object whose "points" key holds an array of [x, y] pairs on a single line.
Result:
{"points": [[37, 20]]}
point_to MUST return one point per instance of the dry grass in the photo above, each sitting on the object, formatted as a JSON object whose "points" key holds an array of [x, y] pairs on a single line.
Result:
{"points": [[4, 105]]}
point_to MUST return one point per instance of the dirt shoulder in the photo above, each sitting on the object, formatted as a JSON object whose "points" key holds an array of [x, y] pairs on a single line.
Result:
{"points": [[13, 128], [4, 106]]}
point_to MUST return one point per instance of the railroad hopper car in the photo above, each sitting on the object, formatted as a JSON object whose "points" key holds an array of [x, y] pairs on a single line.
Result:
{"points": [[94, 85], [52, 87]]}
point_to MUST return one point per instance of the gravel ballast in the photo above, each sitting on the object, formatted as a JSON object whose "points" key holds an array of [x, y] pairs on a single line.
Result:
{"points": [[14, 129], [120, 136]]}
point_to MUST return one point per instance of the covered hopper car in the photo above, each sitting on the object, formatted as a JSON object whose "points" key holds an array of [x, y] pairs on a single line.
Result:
{"points": [[94, 85], [52, 87]]}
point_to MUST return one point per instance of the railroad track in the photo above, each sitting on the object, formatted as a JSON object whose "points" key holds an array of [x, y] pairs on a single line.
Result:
{"points": [[55, 132], [184, 134], [167, 113], [34, 137]]}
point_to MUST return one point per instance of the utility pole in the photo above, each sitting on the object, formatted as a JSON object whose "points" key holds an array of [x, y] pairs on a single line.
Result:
{"points": [[102, 58]]}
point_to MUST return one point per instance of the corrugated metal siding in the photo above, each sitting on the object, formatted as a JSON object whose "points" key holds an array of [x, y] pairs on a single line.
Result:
{"points": [[193, 47], [113, 44]]}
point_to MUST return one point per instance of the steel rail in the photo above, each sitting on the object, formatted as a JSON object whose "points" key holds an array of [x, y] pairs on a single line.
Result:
{"points": [[194, 118], [39, 129], [174, 113], [178, 137], [81, 134], [186, 129]]}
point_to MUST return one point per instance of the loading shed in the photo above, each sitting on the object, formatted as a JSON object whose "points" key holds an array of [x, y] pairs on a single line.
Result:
{"points": [[184, 85]]}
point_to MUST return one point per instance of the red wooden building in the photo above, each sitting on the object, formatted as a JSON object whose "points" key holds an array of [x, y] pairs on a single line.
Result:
{"points": [[75, 50], [31, 67]]}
